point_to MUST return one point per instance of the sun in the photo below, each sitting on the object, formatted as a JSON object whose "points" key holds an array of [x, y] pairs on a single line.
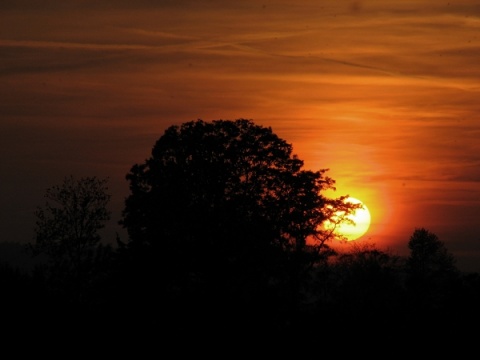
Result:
{"points": [[361, 222]]}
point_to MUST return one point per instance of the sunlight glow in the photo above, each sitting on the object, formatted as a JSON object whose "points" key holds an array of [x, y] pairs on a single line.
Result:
{"points": [[361, 222]]}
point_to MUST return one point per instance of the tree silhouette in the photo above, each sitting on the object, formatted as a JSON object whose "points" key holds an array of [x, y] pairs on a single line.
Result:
{"points": [[433, 281], [428, 255], [224, 216], [67, 233]]}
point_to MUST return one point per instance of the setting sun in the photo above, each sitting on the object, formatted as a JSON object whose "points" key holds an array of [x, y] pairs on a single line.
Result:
{"points": [[361, 222]]}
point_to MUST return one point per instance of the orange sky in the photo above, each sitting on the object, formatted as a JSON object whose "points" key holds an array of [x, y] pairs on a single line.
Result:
{"points": [[384, 94]]}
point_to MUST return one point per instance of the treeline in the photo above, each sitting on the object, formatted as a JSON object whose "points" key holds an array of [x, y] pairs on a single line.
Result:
{"points": [[225, 241], [363, 293]]}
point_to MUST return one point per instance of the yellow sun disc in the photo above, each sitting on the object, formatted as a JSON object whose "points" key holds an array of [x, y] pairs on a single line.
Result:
{"points": [[361, 218]]}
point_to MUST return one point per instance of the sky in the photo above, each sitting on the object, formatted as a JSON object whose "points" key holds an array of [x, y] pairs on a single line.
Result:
{"points": [[384, 94]]}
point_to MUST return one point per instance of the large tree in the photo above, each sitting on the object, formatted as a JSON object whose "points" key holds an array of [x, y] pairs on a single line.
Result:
{"points": [[226, 204]]}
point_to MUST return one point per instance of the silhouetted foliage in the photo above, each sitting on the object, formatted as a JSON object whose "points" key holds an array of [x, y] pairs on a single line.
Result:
{"points": [[371, 274], [431, 269], [226, 244], [368, 284], [428, 255], [67, 234], [223, 214], [435, 289]]}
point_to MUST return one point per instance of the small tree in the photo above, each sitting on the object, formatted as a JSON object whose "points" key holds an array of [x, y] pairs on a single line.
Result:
{"points": [[431, 271], [428, 255], [66, 230]]}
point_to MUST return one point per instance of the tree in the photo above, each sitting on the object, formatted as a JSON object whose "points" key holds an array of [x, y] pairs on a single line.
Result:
{"points": [[428, 255], [432, 276], [67, 231], [223, 209]]}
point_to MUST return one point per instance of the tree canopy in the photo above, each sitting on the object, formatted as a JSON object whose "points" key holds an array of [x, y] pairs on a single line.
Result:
{"points": [[224, 180], [226, 202]]}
